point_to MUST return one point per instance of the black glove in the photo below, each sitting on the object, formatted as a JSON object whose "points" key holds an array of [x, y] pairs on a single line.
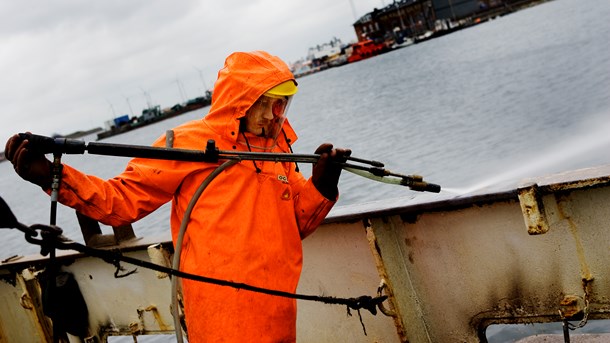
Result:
{"points": [[30, 165], [326, 172]]}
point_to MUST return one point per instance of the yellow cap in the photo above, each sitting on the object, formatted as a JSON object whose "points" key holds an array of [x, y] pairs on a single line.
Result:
{"points": [[287, 88]]}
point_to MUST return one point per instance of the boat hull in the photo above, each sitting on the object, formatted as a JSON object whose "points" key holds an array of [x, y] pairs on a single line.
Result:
{"points": [[536, 252]]}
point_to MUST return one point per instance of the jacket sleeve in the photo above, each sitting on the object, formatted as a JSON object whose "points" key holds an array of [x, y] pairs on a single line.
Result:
{"points": [[142, 188], [310, 206]]}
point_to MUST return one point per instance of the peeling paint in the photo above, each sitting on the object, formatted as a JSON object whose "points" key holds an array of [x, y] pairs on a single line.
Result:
{"points": [[31, 301], [161, 256], [384, 285]]}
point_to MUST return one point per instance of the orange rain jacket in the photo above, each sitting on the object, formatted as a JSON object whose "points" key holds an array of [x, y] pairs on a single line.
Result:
{"points": [[247, 226]]}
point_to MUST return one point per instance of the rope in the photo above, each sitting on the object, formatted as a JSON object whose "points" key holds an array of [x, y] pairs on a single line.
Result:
{"points": [[115, 256]]}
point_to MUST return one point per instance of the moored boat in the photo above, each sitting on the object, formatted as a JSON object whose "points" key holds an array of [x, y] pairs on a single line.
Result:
{"points": [[365, 49]]}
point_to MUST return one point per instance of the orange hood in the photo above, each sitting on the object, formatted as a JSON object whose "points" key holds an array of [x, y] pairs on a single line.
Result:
{"points": [[243, 79]]}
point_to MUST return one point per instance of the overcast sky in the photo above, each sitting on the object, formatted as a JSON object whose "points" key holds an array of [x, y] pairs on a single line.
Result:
{"points": [[69, 65]]}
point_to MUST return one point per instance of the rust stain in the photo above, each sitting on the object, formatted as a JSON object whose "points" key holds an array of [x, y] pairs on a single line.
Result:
{"points": [[25, 301], [410, 242], [572, 307], [139, 327], [580, 250], [136, 328], [158, 318], [584, 183]]}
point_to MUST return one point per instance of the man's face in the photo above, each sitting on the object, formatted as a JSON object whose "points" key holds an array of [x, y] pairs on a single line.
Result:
{"points": [[266, 116]]}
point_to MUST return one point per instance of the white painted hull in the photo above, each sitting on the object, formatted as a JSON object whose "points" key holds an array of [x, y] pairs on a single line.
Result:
{"points": [[453, 266]]}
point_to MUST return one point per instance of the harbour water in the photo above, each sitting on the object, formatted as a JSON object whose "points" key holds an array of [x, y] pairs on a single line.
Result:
{"points": [[523, 95]]}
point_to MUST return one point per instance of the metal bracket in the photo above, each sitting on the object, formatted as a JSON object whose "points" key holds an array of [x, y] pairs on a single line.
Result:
{"points": [[532, 208], [93, 234]]}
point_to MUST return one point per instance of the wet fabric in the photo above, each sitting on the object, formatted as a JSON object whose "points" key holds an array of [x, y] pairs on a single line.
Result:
{"points": [[246, 227]]}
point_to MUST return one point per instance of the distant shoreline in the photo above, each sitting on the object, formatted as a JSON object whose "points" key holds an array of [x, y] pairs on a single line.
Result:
{"points": [[78, 134]]}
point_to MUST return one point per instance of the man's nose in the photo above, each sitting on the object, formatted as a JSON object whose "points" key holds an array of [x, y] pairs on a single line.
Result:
{"points": [[268, 114]]}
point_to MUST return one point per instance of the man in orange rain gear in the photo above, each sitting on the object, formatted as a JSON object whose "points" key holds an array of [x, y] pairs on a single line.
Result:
{"points": [[248, 225]]}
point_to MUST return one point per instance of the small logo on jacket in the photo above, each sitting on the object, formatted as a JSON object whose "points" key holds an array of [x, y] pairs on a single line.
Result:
{"points": [[282, 178]]}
